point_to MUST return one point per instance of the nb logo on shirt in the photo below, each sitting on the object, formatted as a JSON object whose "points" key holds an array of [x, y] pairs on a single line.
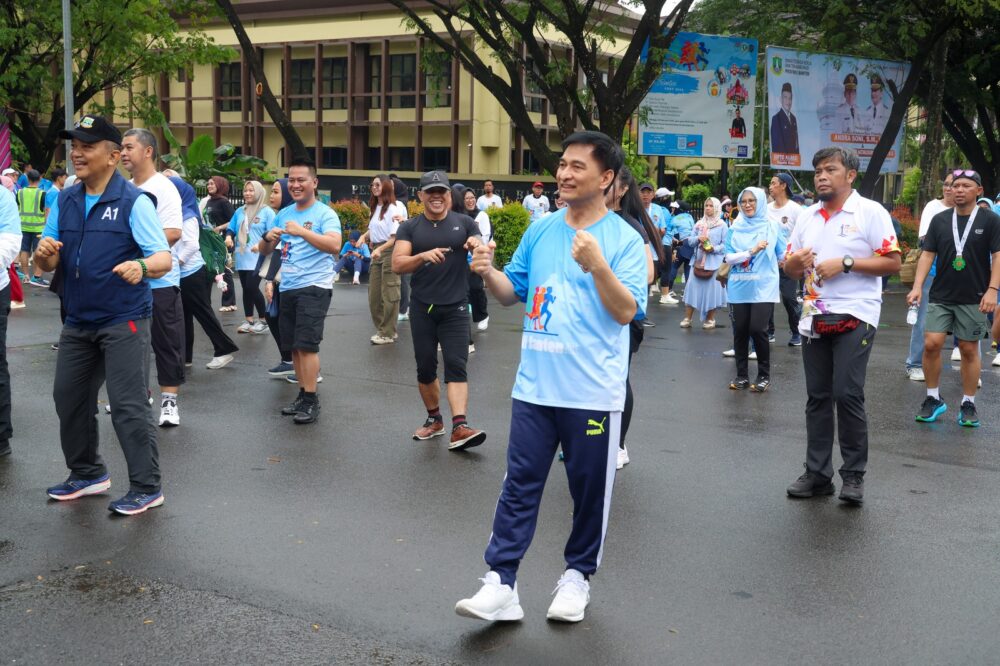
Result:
{"points": [[110, 214], [598, 427]]}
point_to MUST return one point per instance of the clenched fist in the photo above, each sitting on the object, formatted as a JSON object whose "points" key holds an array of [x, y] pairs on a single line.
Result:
{"points": [[586, 251], [130, 271], [482, 258], [48, 247]]}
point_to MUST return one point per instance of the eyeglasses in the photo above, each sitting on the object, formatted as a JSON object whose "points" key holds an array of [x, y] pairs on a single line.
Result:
{"points": [[749, 202]]}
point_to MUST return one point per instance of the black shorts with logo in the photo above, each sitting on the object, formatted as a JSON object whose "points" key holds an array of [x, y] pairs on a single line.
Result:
{"points": [[301, 318]]}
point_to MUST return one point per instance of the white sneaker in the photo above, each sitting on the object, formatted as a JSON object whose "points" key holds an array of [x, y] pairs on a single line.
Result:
{"points": [[729, 353], [956, 355], [169, 415], [654, 288], [752, 356], [219, 362], [915, 374], [379, 340], [472, 349], [996, 361], [685, 323], [403, 317], [244, 327], [356, 280], [336, 278], [572, 596], [17, 305], [493, 602], [667, 299], [260, 328], [622, 458], [484, 324]]}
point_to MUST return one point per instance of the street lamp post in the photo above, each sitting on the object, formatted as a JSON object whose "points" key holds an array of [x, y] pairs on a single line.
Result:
{"points": [[67, 75]]}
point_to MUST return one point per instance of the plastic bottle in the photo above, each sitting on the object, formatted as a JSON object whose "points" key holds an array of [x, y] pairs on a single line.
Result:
{"points": [[911, 315]]}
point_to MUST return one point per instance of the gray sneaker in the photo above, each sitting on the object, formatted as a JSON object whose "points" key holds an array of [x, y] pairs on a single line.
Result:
{"points": [[853, 488], [811, 484]]}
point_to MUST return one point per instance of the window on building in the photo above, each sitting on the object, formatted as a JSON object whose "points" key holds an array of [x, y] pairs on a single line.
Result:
{"points": [[373, 159], [401, 159], [375, 83], [334, 158], [334, 82], [534, 98], [402, 78], [181, 75], [230, 88], [436, 76], [302, 82], [436, 158], [528, 162]]}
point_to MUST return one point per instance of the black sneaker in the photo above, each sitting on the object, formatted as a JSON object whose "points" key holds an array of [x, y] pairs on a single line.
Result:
{"points": [[761, 385], [810, 484], [853, 488], [5, 448], [739, 384], [308, 412], [967, 415], [295, 407], [932, 409], [648, 324]]}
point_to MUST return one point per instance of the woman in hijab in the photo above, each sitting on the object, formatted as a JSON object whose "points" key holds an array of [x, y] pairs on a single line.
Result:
{"points": [[703, 292], [279, 198], [754, 246], [16, 291], [217, 211], [242, 236]]}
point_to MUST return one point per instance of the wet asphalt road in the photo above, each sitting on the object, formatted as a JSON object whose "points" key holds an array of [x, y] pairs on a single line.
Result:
{"points": [[348, 542]]}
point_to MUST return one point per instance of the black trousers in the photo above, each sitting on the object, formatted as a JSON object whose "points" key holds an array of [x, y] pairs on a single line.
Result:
{"points": [[635, 334], [229, 295], [444, 324], [274, 324], [750, 321], [477, 297], [6, 429], [788, 288], [664, 266], [835, 368], [252, 296], [167, 335], [196, 295], [85, 358], [404, 292]]}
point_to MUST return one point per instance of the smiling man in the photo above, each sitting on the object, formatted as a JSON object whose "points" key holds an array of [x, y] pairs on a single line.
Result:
{"points": [[842, 245], [310, 236], [107, 238], [589, 266]]}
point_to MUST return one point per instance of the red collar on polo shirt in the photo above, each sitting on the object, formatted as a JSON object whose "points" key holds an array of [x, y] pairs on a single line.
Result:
{"points": [[826, 215]]}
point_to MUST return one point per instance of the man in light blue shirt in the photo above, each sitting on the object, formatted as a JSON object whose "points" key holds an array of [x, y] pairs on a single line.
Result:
{"points": [[309, 235], [581, 273]]}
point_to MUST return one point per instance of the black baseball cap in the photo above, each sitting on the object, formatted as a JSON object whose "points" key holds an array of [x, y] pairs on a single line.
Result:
{"points": [[91, 129], [434, 180], [646, 186]]}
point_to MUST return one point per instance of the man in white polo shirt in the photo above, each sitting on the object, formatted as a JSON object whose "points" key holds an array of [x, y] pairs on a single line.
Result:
{"points": [[842, 245]]}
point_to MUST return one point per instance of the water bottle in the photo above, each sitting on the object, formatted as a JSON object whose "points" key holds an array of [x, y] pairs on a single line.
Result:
{"points": [[911, 315]]}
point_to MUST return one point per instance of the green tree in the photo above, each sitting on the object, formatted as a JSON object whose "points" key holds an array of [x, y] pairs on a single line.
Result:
{"points": [[203, 159], [114, 43], [571, 73]]}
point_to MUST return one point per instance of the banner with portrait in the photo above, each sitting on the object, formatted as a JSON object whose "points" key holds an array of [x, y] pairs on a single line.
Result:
{"points": [[702, 104], [816, 100]]}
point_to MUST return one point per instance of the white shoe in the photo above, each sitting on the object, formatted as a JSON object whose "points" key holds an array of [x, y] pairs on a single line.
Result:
{"points": [[622, 458], [572, 596], [219, 362], [379, 340], [996, 361], [472, 349], [956, 355], [260, 328], [244, 327], [667, 299], [17, 305], [403, 317], [915, 374], [493, 602], [752, 356], [484, 324], [336, 278], [169, 415], [729, 353], [654, 288], [356, 280], [685, 323]]}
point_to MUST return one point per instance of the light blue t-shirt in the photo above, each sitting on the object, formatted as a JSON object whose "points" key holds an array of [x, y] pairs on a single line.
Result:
{"points": [[303, 265], [573, 353], [51, 195], [363, 250], [246, 257], [145, 225], [756, 279], [10, 218]]}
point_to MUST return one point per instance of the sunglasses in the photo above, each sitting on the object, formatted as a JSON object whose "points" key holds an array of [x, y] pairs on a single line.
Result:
{"points": [[968, 173]]}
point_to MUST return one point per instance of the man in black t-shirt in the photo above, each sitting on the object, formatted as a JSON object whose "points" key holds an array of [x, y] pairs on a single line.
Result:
{"points": [[433, 247], [966, 241]]}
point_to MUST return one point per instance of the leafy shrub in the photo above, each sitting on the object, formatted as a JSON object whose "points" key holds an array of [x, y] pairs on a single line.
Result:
{"points": [[509, 222], [908, 236], [696, 195], [911, 183], [414, 207], [353, 215]]}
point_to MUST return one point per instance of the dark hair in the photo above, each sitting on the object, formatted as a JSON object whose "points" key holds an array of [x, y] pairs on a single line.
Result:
{"points": [[458, 198], [847, 156], [632, 206], [32, 176], [57, 173], [683, 206], [608, 153], [303, 162], [487, 181]]}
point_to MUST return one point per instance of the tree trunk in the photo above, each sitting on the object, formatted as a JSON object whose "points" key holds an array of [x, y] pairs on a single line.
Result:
{"points": [[274, 110], [930, 153]]}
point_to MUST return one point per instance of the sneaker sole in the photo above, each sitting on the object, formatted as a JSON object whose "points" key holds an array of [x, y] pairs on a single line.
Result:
{"points": [[555, 617], [828, 490], [219, 366], [933, 417], [507, 614], [968, 424], [152, 505], [35, 284], [852, 500], [89, 490], [468, 442], [418, 438], [282, 374], [169, 424]]}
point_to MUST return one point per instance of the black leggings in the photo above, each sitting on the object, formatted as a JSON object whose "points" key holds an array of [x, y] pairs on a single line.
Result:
{"points": [[750, 321], [250, 285], [275, 327], [196, 295]]}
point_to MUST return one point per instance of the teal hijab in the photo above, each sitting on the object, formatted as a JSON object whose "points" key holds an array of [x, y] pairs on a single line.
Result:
{"points": [[747, 231]]}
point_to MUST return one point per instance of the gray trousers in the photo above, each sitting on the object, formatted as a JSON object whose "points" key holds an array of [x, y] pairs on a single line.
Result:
{"points": [[86, 358], [835, 368]]}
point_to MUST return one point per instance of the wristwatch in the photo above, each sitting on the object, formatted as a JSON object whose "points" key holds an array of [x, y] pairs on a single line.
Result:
{"points": [[848, 263]]}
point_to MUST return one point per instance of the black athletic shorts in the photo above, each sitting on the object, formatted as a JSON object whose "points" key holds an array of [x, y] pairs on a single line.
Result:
{"points": [[301, 318], [444, 324]]}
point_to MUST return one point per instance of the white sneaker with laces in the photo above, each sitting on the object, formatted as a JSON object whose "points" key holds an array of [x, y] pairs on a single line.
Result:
{"points": [[729, 353], [260, 328], [379, 340], [472, 349], [956, 355], [493, 602], [915, 374], [484, 324], [667, 299], [622, 458], [654, 288], [244, 327], [572, 596], [752, 356], [219, 362], [169, 416]]}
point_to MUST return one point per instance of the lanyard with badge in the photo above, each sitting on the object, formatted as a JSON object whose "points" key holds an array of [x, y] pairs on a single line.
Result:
{"points": [[959, 262]]}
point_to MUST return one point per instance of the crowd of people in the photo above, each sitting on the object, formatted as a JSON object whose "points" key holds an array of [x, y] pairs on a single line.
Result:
{"points": [[584, 271]]}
